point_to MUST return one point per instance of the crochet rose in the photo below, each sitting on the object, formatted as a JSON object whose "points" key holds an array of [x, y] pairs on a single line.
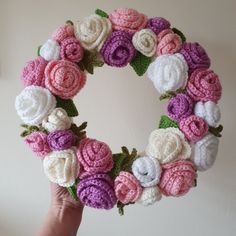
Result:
{"points": [[204, 85], [127, 188], [61, 167], [179, 107], [33, 72], [61, 139], [128, 20], [94, 156], [97, 191], [64, 78], [71, 50], [149, 196], [167, 145], [50, 50], [168, 42], [118, 49], [93, 31], [37, 141], [193, 127], [177, 178], [33, 104], [145, 41], [205, 152], [157, 24], [63, 32], [168, 72], [57, 120], [147, 170], [196, 56]]}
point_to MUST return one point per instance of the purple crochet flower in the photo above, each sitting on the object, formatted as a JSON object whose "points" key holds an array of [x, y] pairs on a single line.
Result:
{"points": [[118, 49], [195, 56], [179, 107], [97, 191], [61, 139], [157, 24]]}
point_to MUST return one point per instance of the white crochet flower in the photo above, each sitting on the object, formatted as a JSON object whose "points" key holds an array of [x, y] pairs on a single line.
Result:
{"points": [[209, 111], [145, 41], [93, 31], [33, 104], [168, 72], [167, 145], [147, 170], [50, 50], [205, 152], [150, 196], [57, 120], [61, 167]]}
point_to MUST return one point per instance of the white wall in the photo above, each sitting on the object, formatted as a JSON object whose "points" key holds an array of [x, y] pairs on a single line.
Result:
{"points": [[120, 109]]}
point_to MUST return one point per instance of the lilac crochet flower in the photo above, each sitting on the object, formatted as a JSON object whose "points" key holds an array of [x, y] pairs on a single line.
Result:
{"points": [[157, 24], [118, 49], [97, 191], [180, 106]]}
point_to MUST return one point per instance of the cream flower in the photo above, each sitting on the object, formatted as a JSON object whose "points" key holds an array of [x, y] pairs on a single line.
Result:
{"points": [[50, 50], [145, 41], [93, 31], [167, 145], [150, 196], [33, 104], [61, 167]]}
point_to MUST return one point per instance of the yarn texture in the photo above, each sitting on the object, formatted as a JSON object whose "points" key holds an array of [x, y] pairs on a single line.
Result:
{"points": [[50, 50], [158, 24], [150, 196], [63, 32]]}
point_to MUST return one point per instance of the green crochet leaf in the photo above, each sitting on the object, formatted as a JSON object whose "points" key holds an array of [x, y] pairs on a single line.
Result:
{"points": [[68, 105], [79, 131], [216, 130], [118, 159], [140, 63], [72, 190], [182, 36], [30, 129], [101, 13], [38, 50], [121, 206], [166, 122], [69, 22], [170, 94]]}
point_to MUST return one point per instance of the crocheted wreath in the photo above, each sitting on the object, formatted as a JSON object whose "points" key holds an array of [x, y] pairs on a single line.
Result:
{"points": [[185, 141]]}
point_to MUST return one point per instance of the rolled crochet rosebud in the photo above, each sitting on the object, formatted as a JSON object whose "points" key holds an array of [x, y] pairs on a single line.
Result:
{"points": [[149, 196], [127, 188], [37, 141], [33, 72], [204, 85], [118, 49], [94, 157], [97, 191], [195, 56], [177, 178], [63, 32], [64, 78], [193, 127], [179, 107], [157, 24], [50, 50], [128, 20]]}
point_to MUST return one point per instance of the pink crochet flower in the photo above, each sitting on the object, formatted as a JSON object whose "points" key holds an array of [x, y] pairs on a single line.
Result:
{"points": [[193, 127], [168, 42], [37, 141], [204, 85], [177, 178], [64, 78], [128, 20], [127, 187], [94, 157], [63, 32], [33, 72], [71, 50]]}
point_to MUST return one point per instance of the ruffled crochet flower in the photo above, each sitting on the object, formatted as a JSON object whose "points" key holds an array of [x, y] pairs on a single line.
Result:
{"points": [[157, 24], [193, 127], [145, 41], [127, 188], [33, 72], [93, 31], [147, 170], [63, 32], [118, 49], [167, 145], [37, 141], [94, 156], [168, 73], [97, 191], [204, 85], [205, 152], [50, 50], [128, 20], [177, 178], [57, 120], [179, 107], [64, 78], [149, 196], [33, 104]]}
